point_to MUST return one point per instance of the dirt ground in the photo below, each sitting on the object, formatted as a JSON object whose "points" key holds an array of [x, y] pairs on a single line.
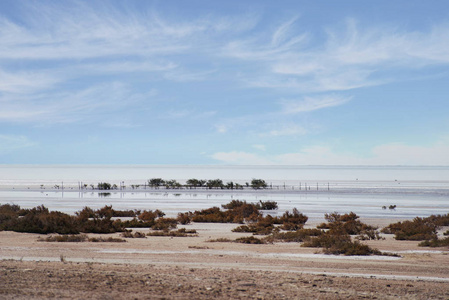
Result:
{"points": [[193, 268]]}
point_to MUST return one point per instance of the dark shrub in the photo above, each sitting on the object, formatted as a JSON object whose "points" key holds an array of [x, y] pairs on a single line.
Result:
{"points": [[233, 204], [220, 240], [238, 214], [417, 230], [293, 236], [267, 205], [182, 232], [438, 220], [249, 240], [435, 243], [164, 224], [184, 218], [106, 240], [73, 238], [349, 224], [294, 217], [339, 242]]}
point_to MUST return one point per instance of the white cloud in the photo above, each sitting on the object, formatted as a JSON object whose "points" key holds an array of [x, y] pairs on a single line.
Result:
{"points": [[221, 128], [10, 143], [285, 130], [260, 147], [312, 103], [388, 154], [240, 158]]}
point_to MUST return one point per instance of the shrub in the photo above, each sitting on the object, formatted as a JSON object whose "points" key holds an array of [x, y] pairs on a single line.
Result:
{"points": [[349, 224], [220, 240], [40, 220], [135, 223], [182, 232], [106, 240], [369, 234], [417, 230], [73, 238], [233, 204], [255, 228], [129, 234], [438, 220], [184, 218], [237, 214], [293, 236], [339, 242], [435, 242], [249, 240], [267, 205], [294, 217], [164, 224]]}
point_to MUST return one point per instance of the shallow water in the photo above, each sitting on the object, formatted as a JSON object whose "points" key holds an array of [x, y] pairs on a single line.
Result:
{"points": [[416, 191]]}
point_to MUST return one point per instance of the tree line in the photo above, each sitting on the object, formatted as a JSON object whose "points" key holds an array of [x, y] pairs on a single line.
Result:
{"points": [[209, 184]]}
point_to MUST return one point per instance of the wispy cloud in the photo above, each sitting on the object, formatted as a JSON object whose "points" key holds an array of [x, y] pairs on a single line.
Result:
{"points": [[69, 107], [10, 143], [386, 154], [312, 103], [349, 58], [290, 129], [282, 40]]}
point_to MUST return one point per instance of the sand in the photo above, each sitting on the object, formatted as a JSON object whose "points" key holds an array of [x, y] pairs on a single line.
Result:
{"points": [[193, 268]]}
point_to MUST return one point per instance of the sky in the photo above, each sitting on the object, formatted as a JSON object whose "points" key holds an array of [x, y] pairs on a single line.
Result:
{"points": [[224, 82]]}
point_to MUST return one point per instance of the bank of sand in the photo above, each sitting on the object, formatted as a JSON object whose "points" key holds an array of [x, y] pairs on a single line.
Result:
{"points": [[193, 268]]}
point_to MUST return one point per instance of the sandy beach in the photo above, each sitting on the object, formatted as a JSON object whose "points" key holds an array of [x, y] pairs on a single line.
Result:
{"points": [[193, 267]]}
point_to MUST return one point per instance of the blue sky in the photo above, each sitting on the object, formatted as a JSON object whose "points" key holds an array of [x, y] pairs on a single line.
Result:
{"points": [[224, 82]]}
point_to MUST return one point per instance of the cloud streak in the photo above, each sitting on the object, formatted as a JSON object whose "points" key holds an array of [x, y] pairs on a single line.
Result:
{"points": [[10, 143], [312, 103], [386, 154], [348, 59]]}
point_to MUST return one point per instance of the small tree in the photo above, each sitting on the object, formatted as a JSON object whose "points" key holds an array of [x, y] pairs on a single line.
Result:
{"points": [[258, 184], [215, 183], [156, 182], [104, 186], [195, 182], [172, 184]]}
